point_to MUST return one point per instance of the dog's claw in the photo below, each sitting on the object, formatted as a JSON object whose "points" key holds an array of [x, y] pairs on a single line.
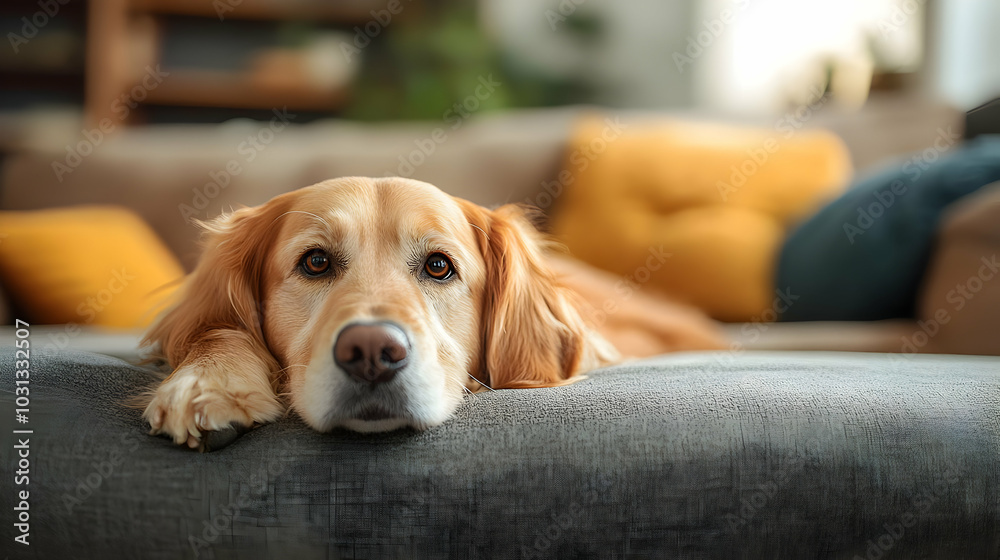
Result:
{"points": [[157, 420], [215, 440]]}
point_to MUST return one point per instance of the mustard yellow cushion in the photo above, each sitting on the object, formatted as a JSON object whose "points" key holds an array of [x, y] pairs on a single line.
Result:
{"points": [[718, 199], [89, 265]]}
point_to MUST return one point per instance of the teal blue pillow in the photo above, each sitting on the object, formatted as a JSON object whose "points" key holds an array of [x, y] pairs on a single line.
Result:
{"points": [[863, 257]]}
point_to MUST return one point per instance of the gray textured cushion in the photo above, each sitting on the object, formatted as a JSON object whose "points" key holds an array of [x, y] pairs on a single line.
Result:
{"points": [[793, 455]]}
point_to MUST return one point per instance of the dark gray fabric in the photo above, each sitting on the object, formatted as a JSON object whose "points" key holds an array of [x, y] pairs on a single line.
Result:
{"points": [[793, 455]]}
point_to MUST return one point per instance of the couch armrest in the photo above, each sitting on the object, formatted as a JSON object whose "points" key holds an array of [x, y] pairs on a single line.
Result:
{"points": [[960, 302]]}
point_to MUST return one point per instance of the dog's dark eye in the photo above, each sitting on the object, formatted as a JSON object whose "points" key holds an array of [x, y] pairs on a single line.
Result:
{"points": [[439, 267], [315, 262]]}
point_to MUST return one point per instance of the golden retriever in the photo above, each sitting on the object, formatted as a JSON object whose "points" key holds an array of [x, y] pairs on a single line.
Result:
{"points": [[375, 304]]}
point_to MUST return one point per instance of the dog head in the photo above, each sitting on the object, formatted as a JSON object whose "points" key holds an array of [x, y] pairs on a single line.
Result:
{"points": [[383, 301]]}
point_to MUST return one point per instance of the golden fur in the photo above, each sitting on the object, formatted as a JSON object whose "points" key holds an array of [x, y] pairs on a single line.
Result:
{"points": [[251, 335]]}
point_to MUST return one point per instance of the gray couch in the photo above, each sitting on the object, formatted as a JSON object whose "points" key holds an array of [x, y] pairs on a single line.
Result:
{"points": [[708, 455], [733, 454]]}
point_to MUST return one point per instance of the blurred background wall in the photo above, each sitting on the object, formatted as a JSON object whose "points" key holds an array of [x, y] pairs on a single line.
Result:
{"points": [[410, 59]]}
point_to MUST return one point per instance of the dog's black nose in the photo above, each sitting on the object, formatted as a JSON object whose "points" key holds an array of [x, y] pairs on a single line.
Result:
{"points": [[372, 353]]}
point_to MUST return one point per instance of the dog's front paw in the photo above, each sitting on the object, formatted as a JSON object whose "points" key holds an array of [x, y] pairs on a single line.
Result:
{"points": [[194, 407]]}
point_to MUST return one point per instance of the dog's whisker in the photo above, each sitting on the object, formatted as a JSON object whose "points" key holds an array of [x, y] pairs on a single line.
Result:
{"points": [[327, 224], [480, 382], [229, 292], [279, 379], [481, 230]]}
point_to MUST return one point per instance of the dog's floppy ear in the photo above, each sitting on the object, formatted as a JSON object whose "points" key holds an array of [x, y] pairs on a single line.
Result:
{"points": [[223, 294], [533, 334]]}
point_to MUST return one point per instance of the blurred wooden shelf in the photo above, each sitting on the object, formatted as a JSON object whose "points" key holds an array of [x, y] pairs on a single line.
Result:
{"points": [[125, 37], [335, 11], [209, 88]]}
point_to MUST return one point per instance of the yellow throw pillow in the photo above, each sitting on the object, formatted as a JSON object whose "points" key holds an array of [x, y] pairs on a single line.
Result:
{"points": [[711, 203], [88, 265]]}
